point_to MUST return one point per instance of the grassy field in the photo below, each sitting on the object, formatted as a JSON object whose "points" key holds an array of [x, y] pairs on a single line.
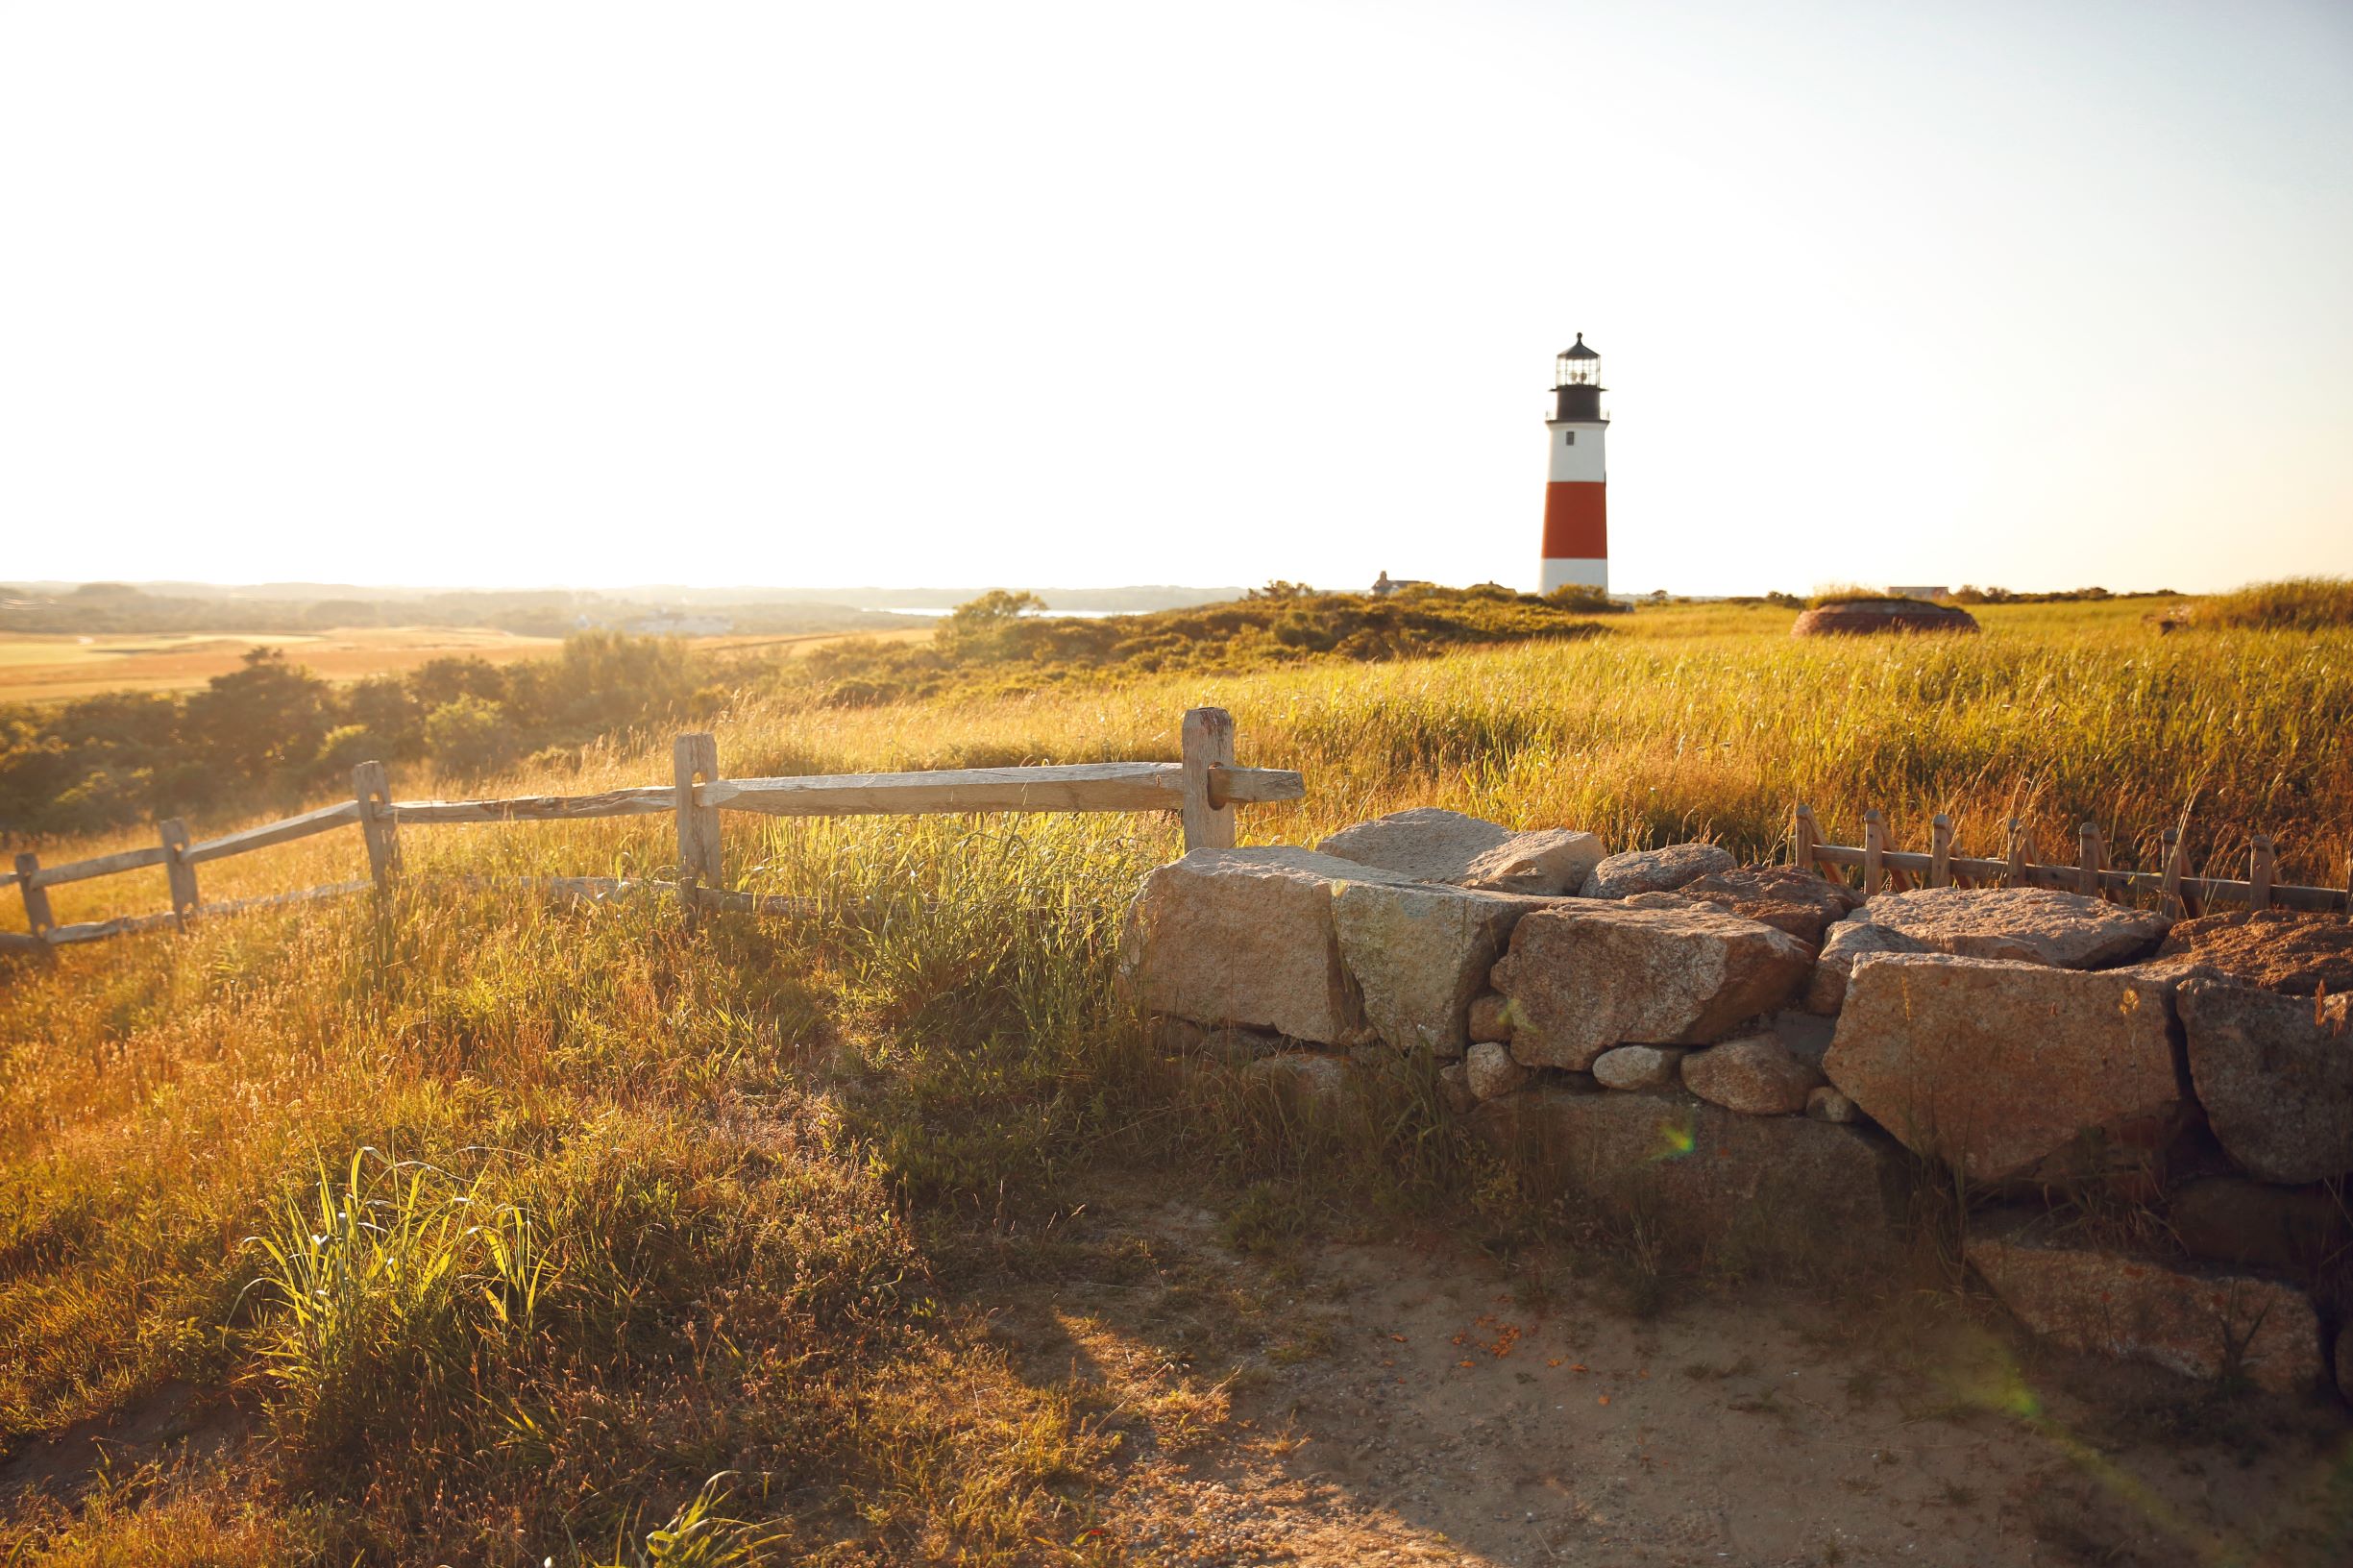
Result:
{"points": [[48, 668], [463, 1228], [43, 668]]}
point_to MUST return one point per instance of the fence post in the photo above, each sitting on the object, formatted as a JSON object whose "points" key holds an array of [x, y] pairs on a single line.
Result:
{"points": [[699, 844], [1940, 851], [2090, 861], [2259, 872], [37, 900], [1874, 846], [372, 788], [2022, 846], [1208, 742], [1803, 837], [2170, 900], [182, 874]]}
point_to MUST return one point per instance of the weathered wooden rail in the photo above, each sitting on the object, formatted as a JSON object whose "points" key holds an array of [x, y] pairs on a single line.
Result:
{"points": [[2175, 890], [1204, 789]]}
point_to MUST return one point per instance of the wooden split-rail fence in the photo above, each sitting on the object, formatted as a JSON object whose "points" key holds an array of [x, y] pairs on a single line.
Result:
{"points": [[2174, 890], [1203, 788]]}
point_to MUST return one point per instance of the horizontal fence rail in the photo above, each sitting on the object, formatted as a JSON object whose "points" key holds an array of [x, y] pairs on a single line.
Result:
{"points": [[2175, 890], [1202, 789]]}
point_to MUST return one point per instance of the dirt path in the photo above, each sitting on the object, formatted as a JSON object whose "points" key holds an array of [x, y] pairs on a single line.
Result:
{"points": [[1408, 1403]]}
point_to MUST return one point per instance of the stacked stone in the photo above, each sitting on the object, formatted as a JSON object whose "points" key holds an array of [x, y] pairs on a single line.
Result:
{"points": [[1707, 1041]]}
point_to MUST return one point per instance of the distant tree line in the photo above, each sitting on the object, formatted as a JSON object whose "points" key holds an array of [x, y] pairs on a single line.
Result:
{"points": [[271, 733]]}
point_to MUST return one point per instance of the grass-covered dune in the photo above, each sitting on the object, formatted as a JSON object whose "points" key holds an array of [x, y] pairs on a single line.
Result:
{"points": [[462, 1227]]}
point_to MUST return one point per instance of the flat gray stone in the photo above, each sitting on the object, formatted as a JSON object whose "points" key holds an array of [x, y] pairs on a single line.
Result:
{"points": [[1802, 903], [1656, 870], [1431, 845], [2025, 925]]}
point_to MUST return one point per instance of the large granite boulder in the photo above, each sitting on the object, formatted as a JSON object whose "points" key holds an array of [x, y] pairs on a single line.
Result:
{"points": [[1420, 956], [1583, 977], [1995, 1067], [1655, 870], [2276, 1075], [2025, 925], [1431, 845], [1782, 897], [1246, 936], [2278, 949], [1778, 1189], [2200, 1322], [1754, 1075]]}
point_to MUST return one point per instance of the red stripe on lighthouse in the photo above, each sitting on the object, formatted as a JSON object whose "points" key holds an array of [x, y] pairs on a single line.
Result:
{"points": [[1576, 522]]}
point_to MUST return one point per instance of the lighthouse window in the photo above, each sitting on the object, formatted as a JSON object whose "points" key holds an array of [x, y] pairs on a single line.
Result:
{"points": [[1570, 438]]}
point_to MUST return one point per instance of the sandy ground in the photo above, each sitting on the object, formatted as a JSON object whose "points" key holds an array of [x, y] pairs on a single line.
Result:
{"points": [[1406, 1401], [1411, 1402]]}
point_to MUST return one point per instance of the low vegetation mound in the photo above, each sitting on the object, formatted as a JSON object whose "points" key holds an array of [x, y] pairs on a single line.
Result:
{"points": [[2290, 604], [998, 643], [1879, 612]]}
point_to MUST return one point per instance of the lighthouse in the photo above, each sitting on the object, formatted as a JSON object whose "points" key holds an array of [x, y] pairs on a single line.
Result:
{"points": [[1576, 509]]}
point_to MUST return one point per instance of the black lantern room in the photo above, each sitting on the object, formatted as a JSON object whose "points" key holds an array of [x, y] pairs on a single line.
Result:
{"points": [[1577, 384]]}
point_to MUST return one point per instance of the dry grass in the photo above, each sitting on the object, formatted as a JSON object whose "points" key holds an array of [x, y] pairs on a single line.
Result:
{"points": [[2292, 604]]}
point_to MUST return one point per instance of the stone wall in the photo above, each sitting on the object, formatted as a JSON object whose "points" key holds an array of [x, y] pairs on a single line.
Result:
{"points": [[1733, 1051]]}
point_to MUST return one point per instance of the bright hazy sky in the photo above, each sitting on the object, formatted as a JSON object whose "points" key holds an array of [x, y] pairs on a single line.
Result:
{"points": [[2040, 294]]}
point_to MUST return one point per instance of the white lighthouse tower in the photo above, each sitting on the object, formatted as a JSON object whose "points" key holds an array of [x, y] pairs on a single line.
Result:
{"points": [[1576, 492]]}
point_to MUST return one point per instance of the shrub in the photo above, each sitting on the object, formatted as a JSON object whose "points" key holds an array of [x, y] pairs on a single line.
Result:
{"points": [[470, 737], [1583, 599]]}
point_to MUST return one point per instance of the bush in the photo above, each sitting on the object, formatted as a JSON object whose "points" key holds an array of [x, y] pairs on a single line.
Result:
{"points": [[470, 737], [1583, 599], [344, 748]]}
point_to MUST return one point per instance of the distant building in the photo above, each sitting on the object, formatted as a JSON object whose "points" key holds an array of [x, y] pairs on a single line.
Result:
{"points": [[1939, 590], [1387, 585]]}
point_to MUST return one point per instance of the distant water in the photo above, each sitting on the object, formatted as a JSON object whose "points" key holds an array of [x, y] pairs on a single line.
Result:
{"points": [[903, 610]]}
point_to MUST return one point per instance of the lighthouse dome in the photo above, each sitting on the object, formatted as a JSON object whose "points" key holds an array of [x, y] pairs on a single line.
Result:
{"points": [[1577, 350]]}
